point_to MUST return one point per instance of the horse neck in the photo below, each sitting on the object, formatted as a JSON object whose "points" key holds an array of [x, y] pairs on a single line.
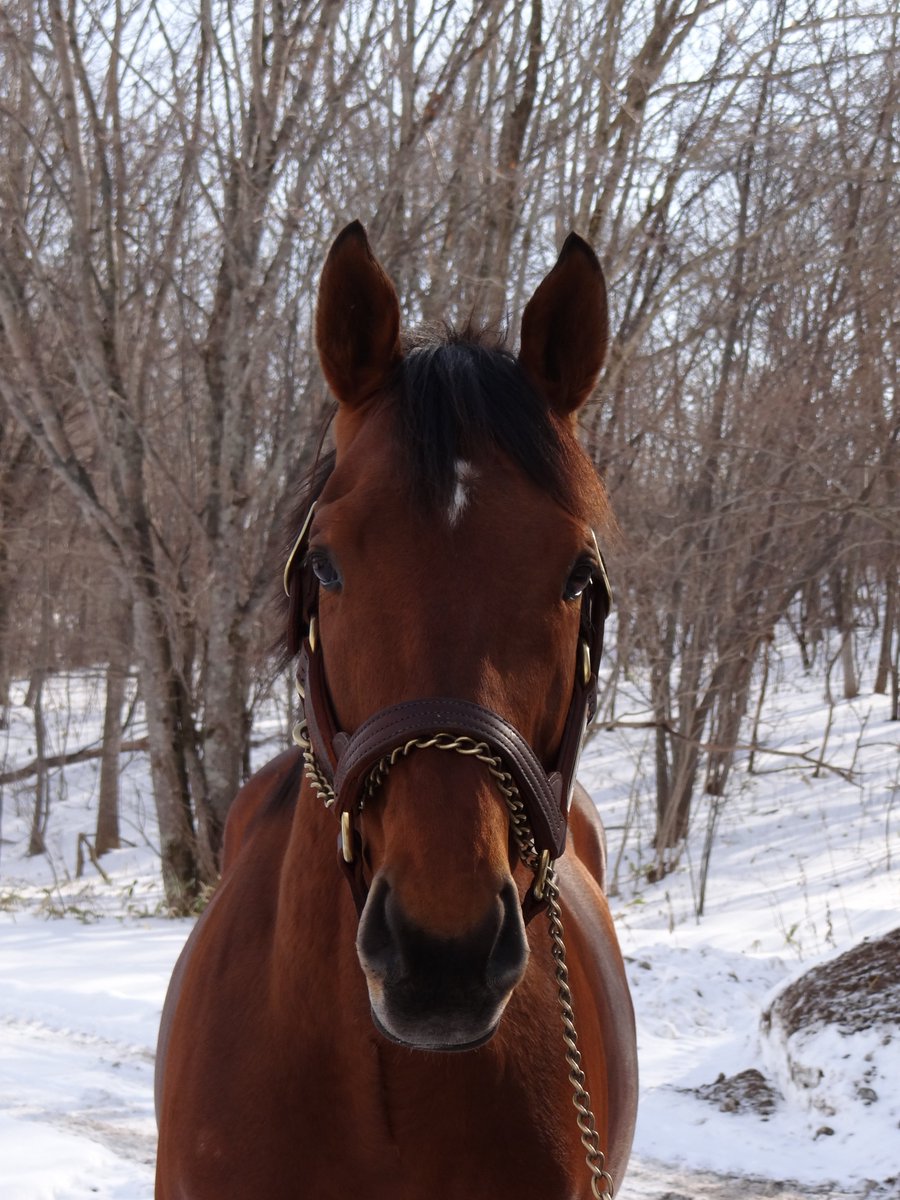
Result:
{"points": [[314, 933]]}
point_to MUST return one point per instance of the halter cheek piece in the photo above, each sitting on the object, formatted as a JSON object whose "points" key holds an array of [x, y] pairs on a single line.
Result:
{"points": [[347, 769]]}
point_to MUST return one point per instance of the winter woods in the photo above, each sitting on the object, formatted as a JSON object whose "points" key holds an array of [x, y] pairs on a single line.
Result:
{"points": [[169, 180]]}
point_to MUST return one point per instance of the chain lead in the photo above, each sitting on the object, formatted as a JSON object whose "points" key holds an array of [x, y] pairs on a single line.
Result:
{"points": [[601, 1180]]}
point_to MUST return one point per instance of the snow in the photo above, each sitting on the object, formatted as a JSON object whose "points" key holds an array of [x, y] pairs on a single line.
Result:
{"points": [[78, 1020], [804, 865]]}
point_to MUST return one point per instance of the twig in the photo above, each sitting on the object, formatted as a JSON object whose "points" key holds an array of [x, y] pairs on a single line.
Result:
{"points": [[64, 760], [805, 755], [85, 843]]}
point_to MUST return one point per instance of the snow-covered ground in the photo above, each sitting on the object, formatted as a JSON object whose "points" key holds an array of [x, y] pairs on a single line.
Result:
{"points": [[803, 866]]}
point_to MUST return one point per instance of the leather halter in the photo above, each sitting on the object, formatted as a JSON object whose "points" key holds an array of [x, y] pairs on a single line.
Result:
{"points": [[344, 762]]}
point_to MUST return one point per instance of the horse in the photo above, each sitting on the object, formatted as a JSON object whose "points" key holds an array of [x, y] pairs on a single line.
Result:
{"points": [[389, 1018]]}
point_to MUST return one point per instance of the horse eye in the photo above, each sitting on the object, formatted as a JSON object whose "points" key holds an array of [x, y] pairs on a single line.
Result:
{"points": [[579, 580], [324, 570]]}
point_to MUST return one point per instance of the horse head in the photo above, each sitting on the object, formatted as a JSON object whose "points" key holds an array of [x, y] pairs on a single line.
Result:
{"points": [[446, 569]]}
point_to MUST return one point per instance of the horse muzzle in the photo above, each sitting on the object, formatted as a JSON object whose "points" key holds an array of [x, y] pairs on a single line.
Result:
{"points": [[436, 993]]}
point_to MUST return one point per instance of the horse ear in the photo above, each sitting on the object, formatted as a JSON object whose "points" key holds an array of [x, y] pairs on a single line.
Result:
{"points": [[565, 328], [357, 319]]}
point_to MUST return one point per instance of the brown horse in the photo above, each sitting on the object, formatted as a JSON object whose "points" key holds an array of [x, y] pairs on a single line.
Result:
{"points": [[446, 599]]}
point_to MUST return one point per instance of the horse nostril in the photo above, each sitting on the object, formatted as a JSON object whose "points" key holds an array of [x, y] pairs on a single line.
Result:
{"points": [[377, 940], [509, 954]]}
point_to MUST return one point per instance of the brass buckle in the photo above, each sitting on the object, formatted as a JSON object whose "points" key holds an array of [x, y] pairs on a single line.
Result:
{"points": [[540, 878]]}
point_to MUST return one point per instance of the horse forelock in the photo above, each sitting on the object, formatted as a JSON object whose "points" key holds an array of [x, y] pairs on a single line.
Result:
{"points": [[462, 395]]}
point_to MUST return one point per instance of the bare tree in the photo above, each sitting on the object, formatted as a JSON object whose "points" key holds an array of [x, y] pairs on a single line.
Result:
{"points": [[170, 181]]}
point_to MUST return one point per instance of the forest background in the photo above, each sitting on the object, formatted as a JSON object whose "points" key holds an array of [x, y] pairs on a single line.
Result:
{"points": [[170, 178]]}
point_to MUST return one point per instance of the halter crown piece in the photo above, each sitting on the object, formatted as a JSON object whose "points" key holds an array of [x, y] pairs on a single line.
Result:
{"points": [[346, 770]]}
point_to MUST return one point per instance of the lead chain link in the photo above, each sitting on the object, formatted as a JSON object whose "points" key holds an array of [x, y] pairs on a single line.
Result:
{"points": [[314, 773]]}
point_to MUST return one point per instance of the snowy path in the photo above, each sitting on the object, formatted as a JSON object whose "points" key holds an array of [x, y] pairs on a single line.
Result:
{"points": [[78, 1013], [84, 1127], [77, 1122], [104, 1142], [803, 867]]}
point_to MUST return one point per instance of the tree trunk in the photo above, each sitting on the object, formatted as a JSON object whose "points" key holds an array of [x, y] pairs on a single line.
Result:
{"points": [[167, 766], [732, 707], [660, 693], [107, 835], [5, 598], [842, 600], [224, 743], [760, 700], [883, 673], [506, 202], [848, 663], [34, 700], [36, 840]]}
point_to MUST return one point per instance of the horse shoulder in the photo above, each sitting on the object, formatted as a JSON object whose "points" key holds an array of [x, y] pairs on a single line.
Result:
{"points": [[250, 800], [588, 835], [244, 819]]}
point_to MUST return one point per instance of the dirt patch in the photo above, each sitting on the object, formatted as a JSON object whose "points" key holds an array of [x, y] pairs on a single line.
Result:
{"points": [[117, 1134], [649, 1180], [748, 1091], [852, 992]]}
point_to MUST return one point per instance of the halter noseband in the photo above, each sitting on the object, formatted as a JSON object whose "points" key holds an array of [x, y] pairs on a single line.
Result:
{"points": [[347, 769]]}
